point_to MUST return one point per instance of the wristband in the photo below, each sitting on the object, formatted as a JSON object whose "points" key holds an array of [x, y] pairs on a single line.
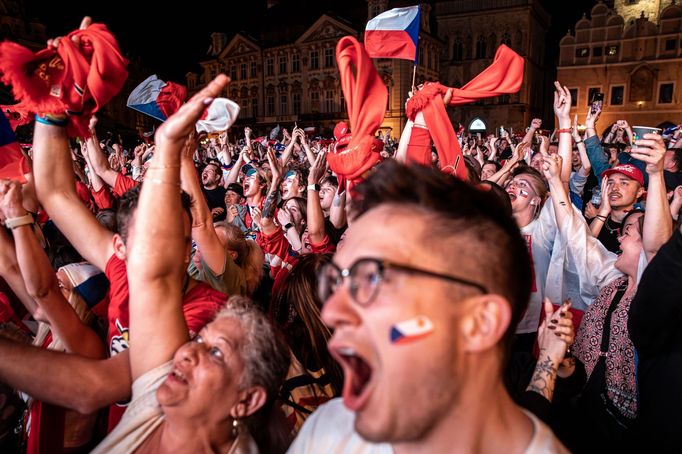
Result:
{"points": [[578, 141], [599, 216], [13, 223], [287, 226], [314, 187], [52, 120], [565, 131]]}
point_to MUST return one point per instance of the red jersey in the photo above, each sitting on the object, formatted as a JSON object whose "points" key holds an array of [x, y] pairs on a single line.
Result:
{"points": [[199, 307], [123, 184]]}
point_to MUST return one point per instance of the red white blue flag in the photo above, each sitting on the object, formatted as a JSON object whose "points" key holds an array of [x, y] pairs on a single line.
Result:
{"points": [[394, 34], [157, 98]]}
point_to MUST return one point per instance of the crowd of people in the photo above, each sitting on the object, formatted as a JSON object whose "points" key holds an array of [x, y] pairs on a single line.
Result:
{"points": [[196, 294]]}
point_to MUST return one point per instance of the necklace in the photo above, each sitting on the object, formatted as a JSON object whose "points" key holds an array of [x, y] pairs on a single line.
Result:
{"points": [[611, 230]]}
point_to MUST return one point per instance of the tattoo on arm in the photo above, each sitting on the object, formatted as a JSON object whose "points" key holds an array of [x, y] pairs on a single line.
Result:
{"points": [[269, 205], [337, 200], [544, 378]]}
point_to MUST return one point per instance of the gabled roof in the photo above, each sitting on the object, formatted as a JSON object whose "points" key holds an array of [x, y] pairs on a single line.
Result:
{"points": [[326, 27], [240, 44]]}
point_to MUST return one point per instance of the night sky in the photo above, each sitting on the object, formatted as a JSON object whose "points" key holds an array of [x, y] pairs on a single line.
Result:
{"points": [[174, 45]]}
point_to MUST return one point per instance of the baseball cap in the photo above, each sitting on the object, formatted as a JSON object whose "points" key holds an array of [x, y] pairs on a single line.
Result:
{"points": [[628, 170], [236, 188]]}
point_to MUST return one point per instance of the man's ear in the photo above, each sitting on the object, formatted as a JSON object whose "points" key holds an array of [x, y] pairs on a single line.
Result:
{"points": [[250, 401], [484, 321], [640, 191], [119, 247]]}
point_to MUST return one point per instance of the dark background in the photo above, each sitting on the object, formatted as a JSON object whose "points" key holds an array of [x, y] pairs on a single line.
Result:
{"points": [[170, 41]]}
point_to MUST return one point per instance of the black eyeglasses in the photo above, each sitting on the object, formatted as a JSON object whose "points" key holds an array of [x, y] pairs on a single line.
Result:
{"points": [[366, 275]]}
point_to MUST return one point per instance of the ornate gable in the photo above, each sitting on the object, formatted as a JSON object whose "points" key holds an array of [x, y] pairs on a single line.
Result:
{"points": [[239, 45], [324, 28]]}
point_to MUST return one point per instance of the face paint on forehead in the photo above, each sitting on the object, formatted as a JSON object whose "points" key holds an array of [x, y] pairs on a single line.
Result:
{"points": [[411, 330], [290, 175]]}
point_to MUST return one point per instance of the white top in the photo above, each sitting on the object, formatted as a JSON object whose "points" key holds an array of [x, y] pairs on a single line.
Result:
{"points": [[144, 415], [330, 430]]}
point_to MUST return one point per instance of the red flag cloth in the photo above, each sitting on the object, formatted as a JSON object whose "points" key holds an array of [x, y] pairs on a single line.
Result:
{"points": [[13, 165], [366, 97], [74, 78], [503, 76], [171, 98], [15, 117]]}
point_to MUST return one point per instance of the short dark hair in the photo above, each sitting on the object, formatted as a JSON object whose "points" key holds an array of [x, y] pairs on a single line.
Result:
{"points": [[501, 255], [330, 180], [677, 157], [127, 205]]}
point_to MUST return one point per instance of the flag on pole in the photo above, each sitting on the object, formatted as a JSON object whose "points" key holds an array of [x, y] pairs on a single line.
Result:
{"points": [[157, 98], [394, 34]]}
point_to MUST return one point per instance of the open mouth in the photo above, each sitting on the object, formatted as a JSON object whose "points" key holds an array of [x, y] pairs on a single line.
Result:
{"points": [[177, 376], [357, 377], [512, 195]]}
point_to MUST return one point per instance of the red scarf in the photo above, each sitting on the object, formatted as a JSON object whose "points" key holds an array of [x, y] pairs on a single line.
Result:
{"points": [[366, 97], [503, 76], [74, 78]]}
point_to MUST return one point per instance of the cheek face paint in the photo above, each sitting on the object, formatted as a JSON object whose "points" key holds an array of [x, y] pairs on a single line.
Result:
{"points": [[523, 193], [411, 330]]}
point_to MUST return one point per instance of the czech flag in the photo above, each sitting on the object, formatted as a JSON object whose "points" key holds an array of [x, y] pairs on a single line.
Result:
{"points": [[411, 330], [157, 98], [13, 164], [394, 34]]}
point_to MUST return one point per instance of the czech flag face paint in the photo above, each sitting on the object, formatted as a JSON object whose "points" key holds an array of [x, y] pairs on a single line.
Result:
{"points": [[411, 330], [523, 193]]}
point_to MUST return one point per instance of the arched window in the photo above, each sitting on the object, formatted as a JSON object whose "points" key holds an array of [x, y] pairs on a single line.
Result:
{"points": [[506, 39], [481, 47], [458, 50]]}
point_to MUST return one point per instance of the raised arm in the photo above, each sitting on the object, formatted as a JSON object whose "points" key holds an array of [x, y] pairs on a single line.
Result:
{"points": [[337, 212], [315, 214], [286, 155], [562, 204], [534, 126], [562, 108], [213, 253], [10, 272], [100, 163], [159, 242], [658, 224]]}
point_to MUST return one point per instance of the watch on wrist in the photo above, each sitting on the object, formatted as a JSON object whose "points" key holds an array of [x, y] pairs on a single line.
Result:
{"points": [[287, 226], [13, 223], [314, 187]]}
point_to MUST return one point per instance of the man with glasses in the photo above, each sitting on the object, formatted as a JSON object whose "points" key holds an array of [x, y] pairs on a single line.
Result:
{"points": [[423, 299]]}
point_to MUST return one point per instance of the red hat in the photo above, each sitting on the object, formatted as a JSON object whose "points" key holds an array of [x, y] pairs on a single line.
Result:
{"points": [[628, 170]]}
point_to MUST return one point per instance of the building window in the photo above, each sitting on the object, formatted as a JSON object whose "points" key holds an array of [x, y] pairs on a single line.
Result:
{"points": [[269, 105], [254, 69], [590, 94], [574, 96], [254, 107], [233, 72], [611, 51], [480, 47], [242, 71], [283, 65], [314, 59], [315, 101], [296, 103], [296, 63], [458, 50], [283, 107], [582, 52], [269, 67], [670, 44], [665, 93], [617, 95], [329, 57], [329, 101], [597, 51]]}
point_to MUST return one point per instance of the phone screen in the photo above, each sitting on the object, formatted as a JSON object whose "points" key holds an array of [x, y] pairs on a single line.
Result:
{"points": [[597, 102]]}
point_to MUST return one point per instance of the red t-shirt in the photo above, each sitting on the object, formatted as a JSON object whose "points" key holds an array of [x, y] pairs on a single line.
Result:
{"points": [[199, 307], [123, 184]]}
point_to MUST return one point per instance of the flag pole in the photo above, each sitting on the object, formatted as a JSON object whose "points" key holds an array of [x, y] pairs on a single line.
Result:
{"points": [[414, 76]]}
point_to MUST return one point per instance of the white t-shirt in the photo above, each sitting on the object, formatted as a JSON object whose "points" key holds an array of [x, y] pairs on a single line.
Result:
{"points": [[330, 430]]}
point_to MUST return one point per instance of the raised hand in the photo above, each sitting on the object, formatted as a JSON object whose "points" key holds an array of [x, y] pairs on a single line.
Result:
{"points": [[574, 129], [536, 123], [562, 105], [318, 169], [651, 149], [11, 201], [551, 166], [283, 216]]}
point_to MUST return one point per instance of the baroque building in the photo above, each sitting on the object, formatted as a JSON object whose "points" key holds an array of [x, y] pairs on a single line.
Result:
{"points": [[635, 64], [290, 77]]}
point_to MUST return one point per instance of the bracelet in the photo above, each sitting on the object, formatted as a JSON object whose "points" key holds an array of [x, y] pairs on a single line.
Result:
{"points": [[13, 223], [565, 131], [52, 120], [599, 216]]}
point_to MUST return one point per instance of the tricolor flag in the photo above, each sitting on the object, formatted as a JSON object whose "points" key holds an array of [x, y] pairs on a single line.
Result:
{"points": [[157, 98], [394, 34], [13, 164], [411, 330], [219, 116]]}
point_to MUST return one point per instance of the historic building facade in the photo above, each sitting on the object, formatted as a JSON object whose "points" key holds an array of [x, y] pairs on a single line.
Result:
{"points": [[636, 65], [472, 31], [297, 82]]}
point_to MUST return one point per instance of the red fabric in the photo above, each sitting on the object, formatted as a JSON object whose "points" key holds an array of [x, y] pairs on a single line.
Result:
{"points": [[103, 199], [15, 117], [390, 44], [123, 184], [199, 306], [323, 246], [282, 257], [170, 98], [13, 165], [366, 97], [503, 76], [419, 147], [77, 79], [84, 194]]}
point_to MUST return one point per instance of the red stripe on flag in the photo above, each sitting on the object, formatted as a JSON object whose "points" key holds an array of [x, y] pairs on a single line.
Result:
{"points": [[390, 44], [13, 165]]}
